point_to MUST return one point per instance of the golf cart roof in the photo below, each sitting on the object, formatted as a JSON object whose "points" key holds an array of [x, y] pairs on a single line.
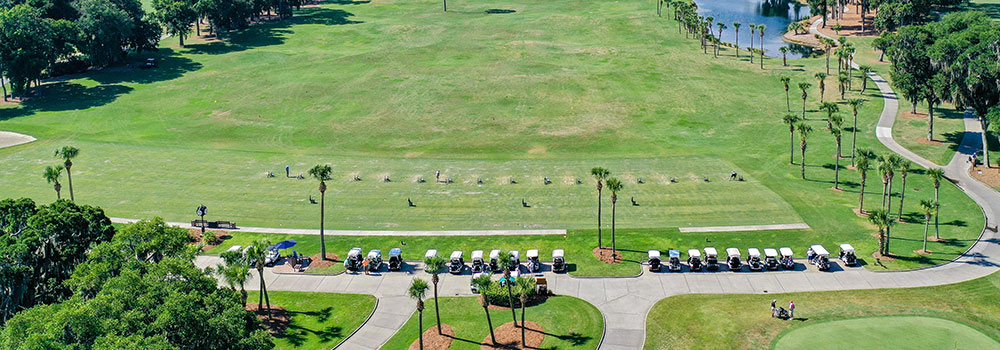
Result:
{"points": [[515, 254], [785, 251], [477, 254], [753, 252], [395, 252], [819, 250], [694, 253], [770, 252], [674, 253], [654, 254], [558, 253], [847, 248], [732, 252], [532, 253], [354, 252], [456, 254], [374, 253], [431, 253], [710, 251], [495, 253]]}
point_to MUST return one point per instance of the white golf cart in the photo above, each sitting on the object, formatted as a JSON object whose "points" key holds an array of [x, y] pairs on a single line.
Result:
{"points": [[478, 264], [395, 259], [558, 261], [515, 258], [771, 258], [374, 260], [787, 260], [821, 257], [494, 260], [694, 259], [753, 260], [654, 260], [711, 259], [733, 259], [847, 255], [674, 260], [353, 261], [457, 263], [534, 265]]}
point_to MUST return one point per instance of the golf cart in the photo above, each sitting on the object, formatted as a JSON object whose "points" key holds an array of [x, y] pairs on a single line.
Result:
{"points": [[753, 260], [847, 255], [494, 257], [395, 259], [694, 259], [558, 261], [374, 260], [515, 257], [786, 258], [821, 257], [770, 258], [654, 260], [674, 262], [711, 259], [478, 264], [457, 263], [272, 256], [353, 261], [733, 259], [533, 264]]}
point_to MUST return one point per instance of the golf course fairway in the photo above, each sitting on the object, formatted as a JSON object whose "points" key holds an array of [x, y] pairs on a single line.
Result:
{"points": [[893, 332]]}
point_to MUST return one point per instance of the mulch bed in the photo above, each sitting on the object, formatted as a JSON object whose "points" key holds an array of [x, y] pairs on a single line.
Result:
{"points": [[196, 237], [989, 176], [876, 255], [315, 261], [924, 140], [860, 214], [605, 253], [509, 337], [279, 321], [435, 341], [923, 252]]}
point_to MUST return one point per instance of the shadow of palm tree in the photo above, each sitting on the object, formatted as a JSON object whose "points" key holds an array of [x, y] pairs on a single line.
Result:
{"points": [[271, 33]]}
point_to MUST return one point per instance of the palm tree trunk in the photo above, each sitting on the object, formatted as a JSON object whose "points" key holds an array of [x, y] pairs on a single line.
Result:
{"points": [[836, 168], [524, 342], [854, 136], [861, 202], [510, 299], [599, 243], [420, 323], [58, 195], [489, 322], [888, 199], [927, 222], [930, 126], [803, 160], [986, 151], [445, 10], [884, 185], [888, 239], [244, 295], [881, 242], [263, 292], [902, 195], [69, 177], [788, 101], [791, 145], [437, 311], [614, 252], [322, 217], [936, 211], [803, 106]]}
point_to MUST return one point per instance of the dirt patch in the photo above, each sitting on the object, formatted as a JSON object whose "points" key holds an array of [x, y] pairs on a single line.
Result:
{"points": [[863, 214], [923, 252], [608, 256], [850, 23], [836, 189], [435, 341], [278, 322], [317, 262], [509, 337], [911, 115], [881, 257], [198, 239], [988, 176]]}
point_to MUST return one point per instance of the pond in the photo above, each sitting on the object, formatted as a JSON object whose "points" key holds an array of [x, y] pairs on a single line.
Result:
{"points": [[774, 14]]}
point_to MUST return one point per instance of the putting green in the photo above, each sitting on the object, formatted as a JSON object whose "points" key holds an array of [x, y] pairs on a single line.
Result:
{"points": [[891, 332]]}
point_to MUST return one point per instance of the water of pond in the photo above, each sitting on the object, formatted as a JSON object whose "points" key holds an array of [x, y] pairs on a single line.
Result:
{"points": [[774, 14]]}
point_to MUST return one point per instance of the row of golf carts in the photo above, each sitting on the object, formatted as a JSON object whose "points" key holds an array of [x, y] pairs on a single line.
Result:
{"points": [[772, 259], [355, 261]]}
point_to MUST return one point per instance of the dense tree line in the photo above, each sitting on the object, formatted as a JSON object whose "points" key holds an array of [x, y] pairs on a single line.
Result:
{"points": [[889, 14]]}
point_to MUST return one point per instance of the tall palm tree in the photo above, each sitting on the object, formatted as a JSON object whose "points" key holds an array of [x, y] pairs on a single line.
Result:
{"points": [[843, 80], [903, 167], [760, 29], [417, 291], [854, 103], [804, 87], [235, 271], [791, 120], [822, 84], [936, 175], [614, 185], [865, 71], [67, 153], [830, 108], [753, 31], [507, 264], [785, 81], [928, 207], [721, 26], [836, 167], [884, 167], [51, 176], [600, 174], [894, 161], [524, 285], [880, 218], [804, 131], [736, 27], [433, 266], [482, 284], [784, 55], [828, 46], [321, 172], [863, 165], [256, 254]]}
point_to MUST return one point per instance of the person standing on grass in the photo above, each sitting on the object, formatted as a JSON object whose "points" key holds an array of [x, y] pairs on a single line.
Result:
{"points": [[773, 302], [288, 171], [791, 309]]}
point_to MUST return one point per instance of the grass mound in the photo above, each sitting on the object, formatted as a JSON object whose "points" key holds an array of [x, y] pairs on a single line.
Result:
{"points": [[893, 332]]}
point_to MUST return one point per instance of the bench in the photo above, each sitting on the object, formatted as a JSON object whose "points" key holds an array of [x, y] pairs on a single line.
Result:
{"points": [[213, 224]]}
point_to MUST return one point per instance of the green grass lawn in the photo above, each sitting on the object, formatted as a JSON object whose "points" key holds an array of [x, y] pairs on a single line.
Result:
{"points": [[894, 332], [569, 323], [319, 320], [744, 322], [400, 88]]}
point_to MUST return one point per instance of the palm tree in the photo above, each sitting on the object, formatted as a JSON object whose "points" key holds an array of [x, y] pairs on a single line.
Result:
{"points": [[760, 29], [828, 46], [417, 291], [600, 174], [614, 185], [51, 176], [736, 27], [855, 103], [753, 30], [67, 153], [880, 218], [524, 285], [785, 81], [721, 26], [865, 71], [936, 175], [836, 167], [844, 79], [804, 87], [784, 55], [903, 166], [804, 131], [894, 161], [235, 271], [884, 168], [791, 120], [482, 284], [433, 266], [256, 254], [929, 208], [761, 52], [822, 84], [321, 172], [863, 166], [507, 263], [830, 108]]}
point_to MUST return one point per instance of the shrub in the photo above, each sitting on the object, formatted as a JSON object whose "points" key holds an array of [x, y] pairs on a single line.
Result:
{"points": [[497, 294], [210, 238]]}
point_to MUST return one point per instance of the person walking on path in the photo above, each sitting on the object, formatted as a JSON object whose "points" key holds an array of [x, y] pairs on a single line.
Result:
{"points": [[791, 309], [364, 265]]}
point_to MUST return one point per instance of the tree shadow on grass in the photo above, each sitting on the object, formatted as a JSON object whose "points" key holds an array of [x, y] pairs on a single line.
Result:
{"points": [[499, 11], [271, 33], [65, 96], [296, 334], [347, 2]]}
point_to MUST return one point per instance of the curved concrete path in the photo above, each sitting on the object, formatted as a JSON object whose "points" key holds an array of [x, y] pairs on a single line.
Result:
{"points": [[9, 139]]}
